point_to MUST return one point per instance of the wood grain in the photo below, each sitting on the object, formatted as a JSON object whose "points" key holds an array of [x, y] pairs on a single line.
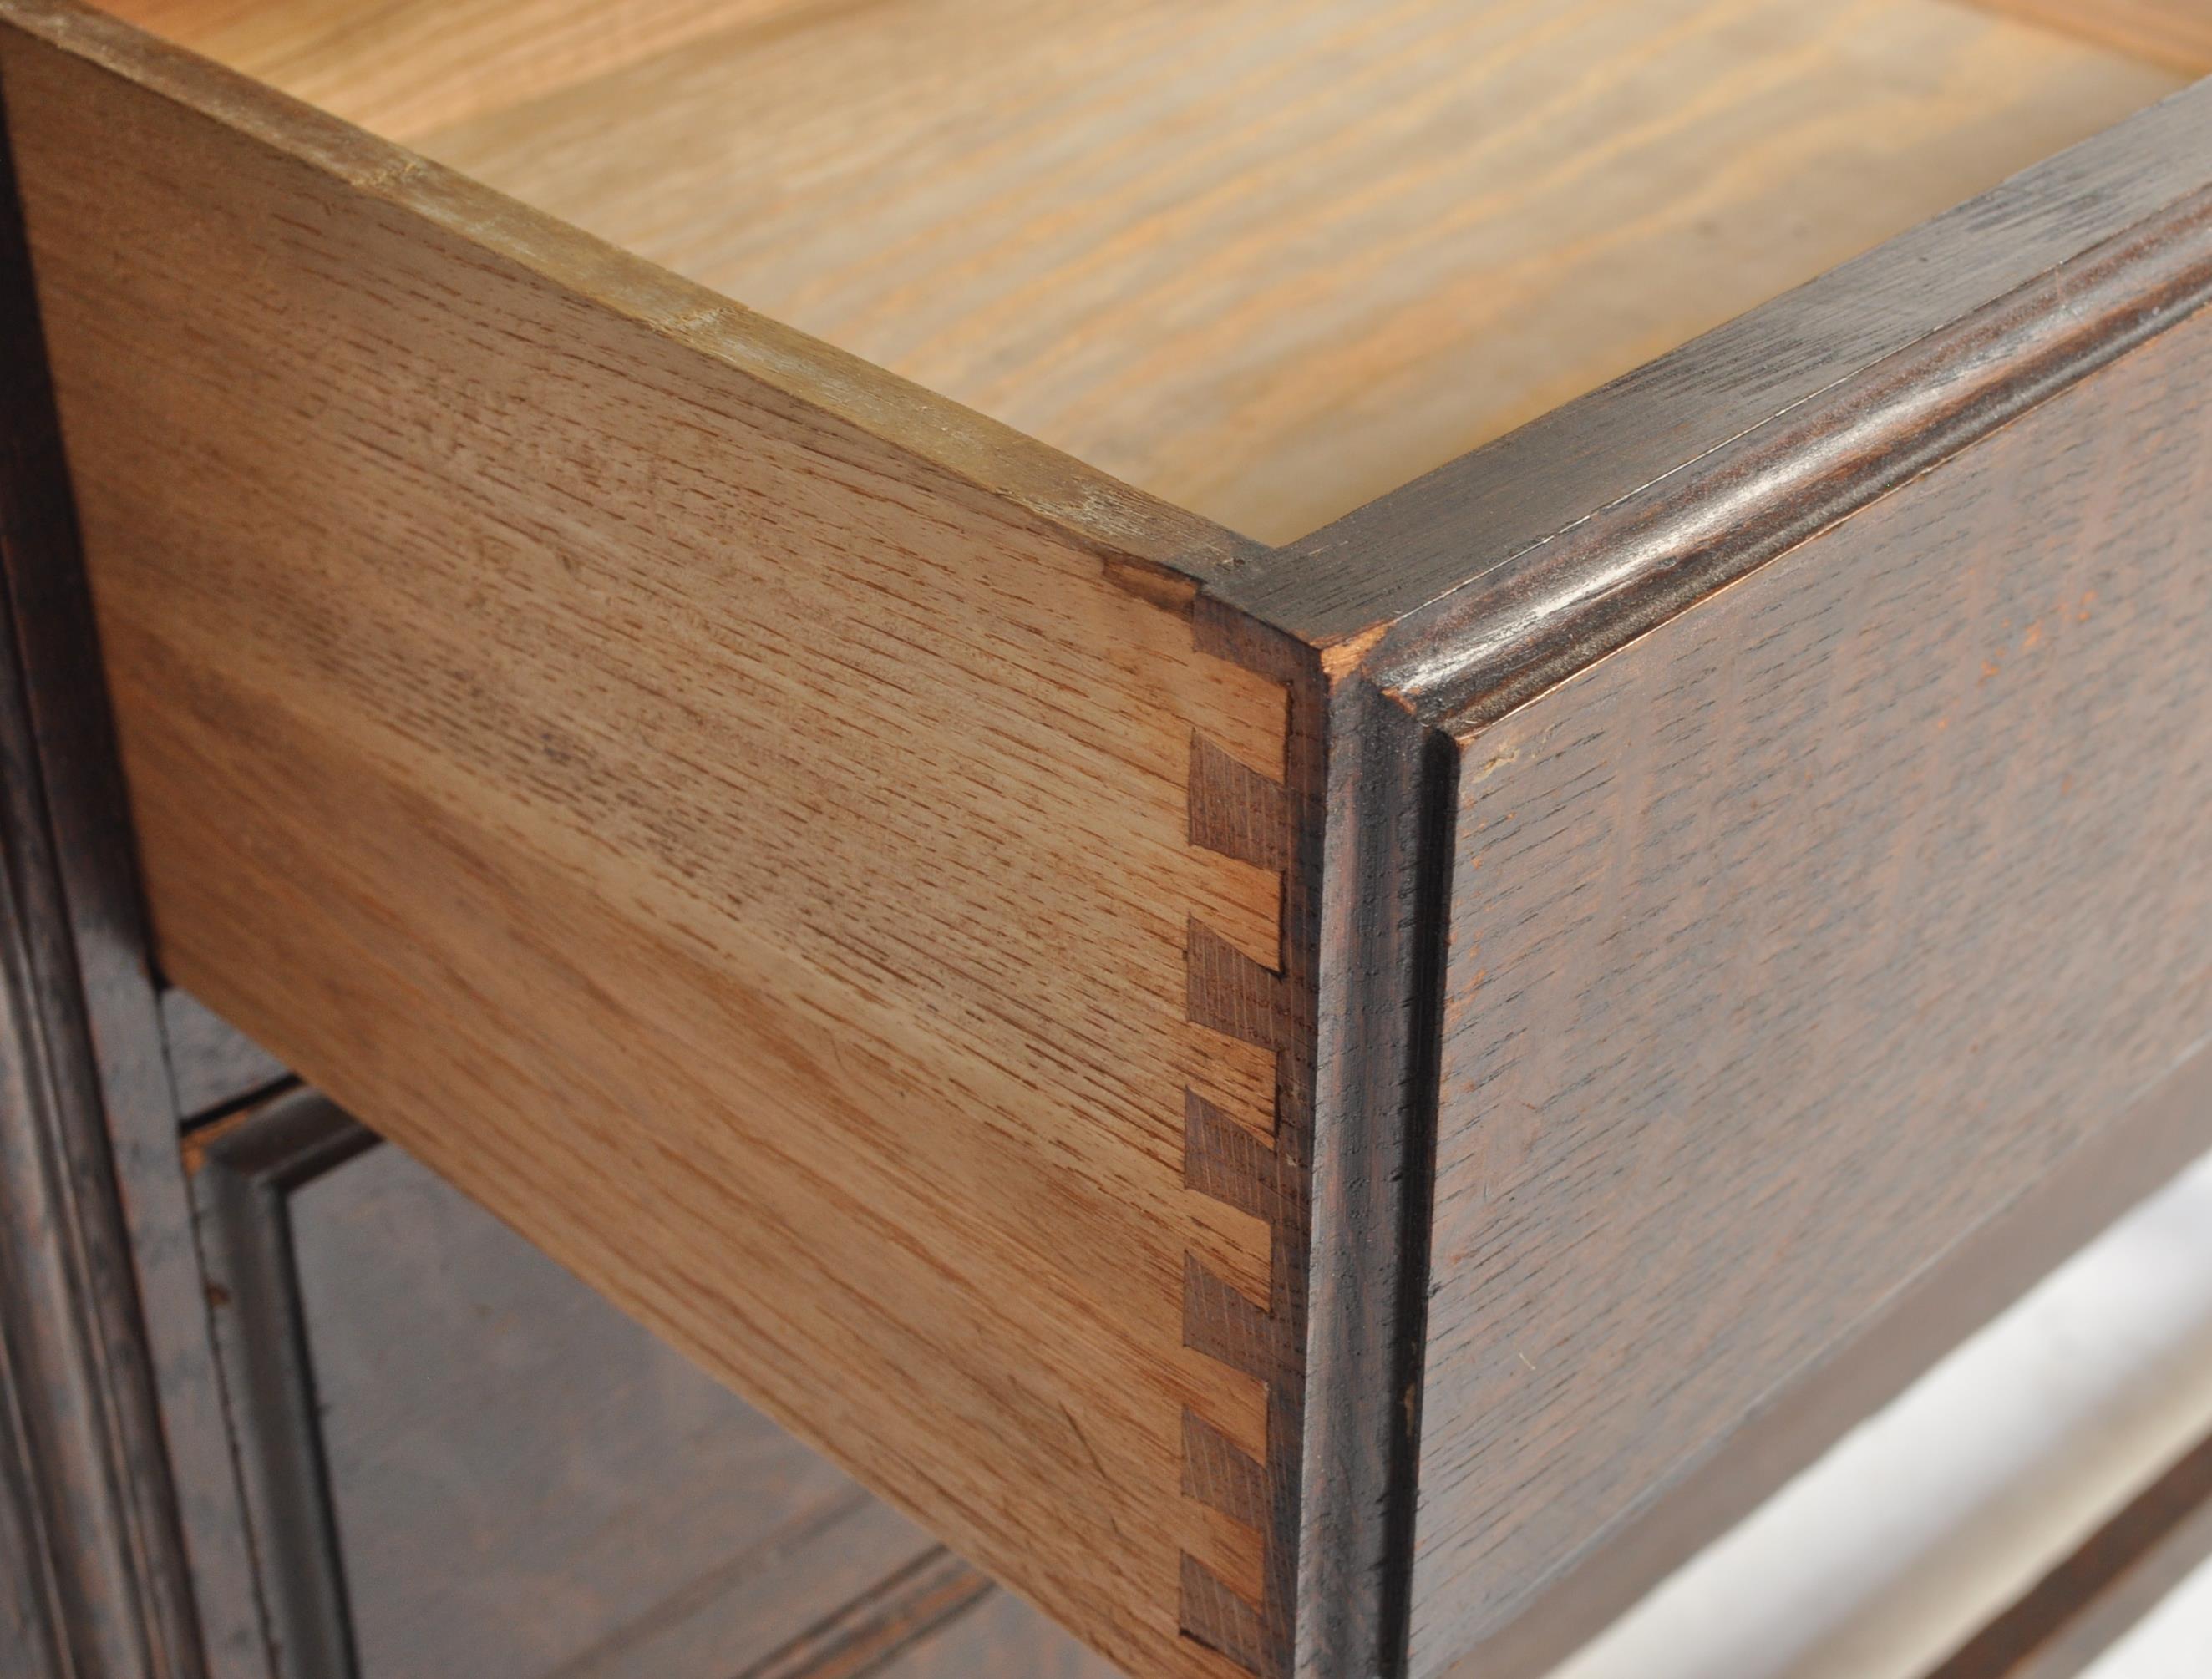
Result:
{"points": [[725, 810], [1792, 942], [405, 67], [837, 875], [2131, 1158], [2174, 33], [1265, 259], [419, 1385], [1392, 574]]}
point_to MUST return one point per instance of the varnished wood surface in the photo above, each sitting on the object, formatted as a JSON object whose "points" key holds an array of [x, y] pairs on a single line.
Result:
{"points": [[1421, 581], [793, 849], [1566, 542], [2130, 1159], [723, 809], [1265, 259], [1794, 940]]}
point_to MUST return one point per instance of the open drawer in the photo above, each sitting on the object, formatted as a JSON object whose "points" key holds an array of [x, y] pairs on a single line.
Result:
{"points": [[1321, 1067]]}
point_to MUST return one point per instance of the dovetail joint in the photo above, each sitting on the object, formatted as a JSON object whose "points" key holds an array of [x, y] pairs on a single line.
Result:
{"points": [[1236, 812]]}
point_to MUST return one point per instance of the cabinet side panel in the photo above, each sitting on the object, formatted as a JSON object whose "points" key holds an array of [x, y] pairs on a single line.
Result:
{"points": [[808, 886], [1794, 940]]}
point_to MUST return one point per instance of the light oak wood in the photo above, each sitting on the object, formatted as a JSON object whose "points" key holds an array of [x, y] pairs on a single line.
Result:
{"points": [[723, 808], [1265, 259], [2174, 33], [403, 67]]}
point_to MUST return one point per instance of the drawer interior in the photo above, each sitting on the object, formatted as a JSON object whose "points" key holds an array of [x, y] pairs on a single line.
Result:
{"points": [[1264, 258]]}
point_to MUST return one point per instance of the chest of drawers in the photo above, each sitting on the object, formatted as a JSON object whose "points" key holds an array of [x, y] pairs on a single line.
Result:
{"points": [[1314, 982]]}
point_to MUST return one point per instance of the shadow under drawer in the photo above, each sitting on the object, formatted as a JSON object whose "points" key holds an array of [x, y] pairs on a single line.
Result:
{"points": [[460, 1460]]}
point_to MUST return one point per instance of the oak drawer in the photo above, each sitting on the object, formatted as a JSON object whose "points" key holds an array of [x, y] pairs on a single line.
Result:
{"points": [[1290, 968]]}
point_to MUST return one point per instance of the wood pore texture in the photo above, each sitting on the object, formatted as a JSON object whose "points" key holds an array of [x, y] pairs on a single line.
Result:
{"points": [[1267, 259], [1792, 940], [788, 847]]}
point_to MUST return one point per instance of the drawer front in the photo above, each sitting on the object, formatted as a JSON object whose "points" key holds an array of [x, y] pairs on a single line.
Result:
{"points": [[1794, 941], [463, 1461], [1772, 794]]}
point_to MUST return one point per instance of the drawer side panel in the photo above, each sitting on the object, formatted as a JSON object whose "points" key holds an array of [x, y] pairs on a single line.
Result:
{"points": [[800, 856]]}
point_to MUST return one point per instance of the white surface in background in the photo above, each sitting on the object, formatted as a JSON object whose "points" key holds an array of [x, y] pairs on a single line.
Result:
{"points": [[2174, 1641], [1937, 1511]]}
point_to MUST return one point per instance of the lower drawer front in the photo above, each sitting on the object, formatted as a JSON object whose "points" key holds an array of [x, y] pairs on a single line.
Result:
{"points": [[518, 1481]]}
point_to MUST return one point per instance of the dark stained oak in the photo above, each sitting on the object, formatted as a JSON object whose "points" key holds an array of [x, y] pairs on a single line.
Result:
{"points": [[97, 1572], [117, 1505], [1641, 1277], [2140, 1150], [1792, 941], [1460, 530]]}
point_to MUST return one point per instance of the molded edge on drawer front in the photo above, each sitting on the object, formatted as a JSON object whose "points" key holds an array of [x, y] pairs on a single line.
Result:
{"points": [[1824, 878]]}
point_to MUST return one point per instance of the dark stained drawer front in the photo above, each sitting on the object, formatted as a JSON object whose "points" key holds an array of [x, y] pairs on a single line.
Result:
{"points": [[1807, 847], [1796, 940]]}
